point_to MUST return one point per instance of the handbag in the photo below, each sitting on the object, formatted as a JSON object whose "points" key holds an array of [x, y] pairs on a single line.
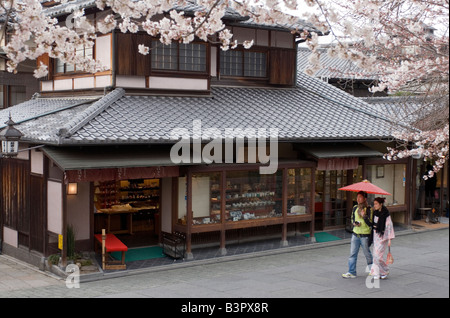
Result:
{"points": [[390, 258]]}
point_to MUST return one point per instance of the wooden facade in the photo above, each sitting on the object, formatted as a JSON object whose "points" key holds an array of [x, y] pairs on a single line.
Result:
{"points": [[22, 203], [126, 67]]}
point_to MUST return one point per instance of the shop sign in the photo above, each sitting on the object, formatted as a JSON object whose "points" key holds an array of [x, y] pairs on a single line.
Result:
{"points": [[60, 241]]}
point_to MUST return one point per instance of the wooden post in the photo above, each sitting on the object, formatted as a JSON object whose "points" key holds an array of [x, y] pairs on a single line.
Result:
{"points": [[223, 186], [189, 215], [313, 205], [64, 224], [103, 249], [284, 196]]}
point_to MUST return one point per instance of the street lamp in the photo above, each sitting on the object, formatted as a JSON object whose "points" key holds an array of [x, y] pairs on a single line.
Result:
{"points": [[10, 137]]}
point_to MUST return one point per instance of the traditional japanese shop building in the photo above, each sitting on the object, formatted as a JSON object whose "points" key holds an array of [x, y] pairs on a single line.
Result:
{"points": [[107, 142]]}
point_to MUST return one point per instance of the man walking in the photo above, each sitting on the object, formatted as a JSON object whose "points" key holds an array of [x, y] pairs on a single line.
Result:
{"points": [[362, 218]]}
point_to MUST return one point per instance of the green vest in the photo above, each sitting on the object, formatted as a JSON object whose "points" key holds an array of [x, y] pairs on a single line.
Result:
{"points": [[363, 228]]}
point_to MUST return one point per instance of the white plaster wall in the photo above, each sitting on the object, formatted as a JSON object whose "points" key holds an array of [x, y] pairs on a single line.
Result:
{"points": [[64, 84], [130, 81], [102, 81], [78, 213], [213, 61], [178, 83], [37, 162], [24, 155], [47, 86], [54, 207], [83, 82], [103, 50], [10, 237]]}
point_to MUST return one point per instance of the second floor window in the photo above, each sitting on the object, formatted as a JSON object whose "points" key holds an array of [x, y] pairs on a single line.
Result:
{"points": [[179, 57], [61, 67], [11, 95], [243, 63]]}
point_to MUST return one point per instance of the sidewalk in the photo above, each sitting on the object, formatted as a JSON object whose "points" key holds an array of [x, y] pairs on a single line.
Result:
{"points": [[209, 255], [420, 225], [245, 250], [16, 275], [420, 270]]}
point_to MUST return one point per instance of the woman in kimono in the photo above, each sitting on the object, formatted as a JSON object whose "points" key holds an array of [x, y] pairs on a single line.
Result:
{"points": [[383, 233]]}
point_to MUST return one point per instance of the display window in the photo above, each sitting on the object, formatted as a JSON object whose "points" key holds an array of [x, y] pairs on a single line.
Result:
{"points": [[251, 195], [247, 195], [299, 191]]}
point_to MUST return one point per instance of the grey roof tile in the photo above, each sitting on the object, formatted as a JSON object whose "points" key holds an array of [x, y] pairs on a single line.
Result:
{"points": [[313, 110]]}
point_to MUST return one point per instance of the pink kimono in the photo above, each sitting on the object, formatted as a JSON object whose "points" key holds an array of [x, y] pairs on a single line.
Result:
{"points": [[380, 243]]}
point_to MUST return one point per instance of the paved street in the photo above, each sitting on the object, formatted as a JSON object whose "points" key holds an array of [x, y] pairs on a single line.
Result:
{"points": [[421, 269]]}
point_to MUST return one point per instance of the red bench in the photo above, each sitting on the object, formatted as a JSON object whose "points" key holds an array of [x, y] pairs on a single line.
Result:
{"points": [[110, 243]]}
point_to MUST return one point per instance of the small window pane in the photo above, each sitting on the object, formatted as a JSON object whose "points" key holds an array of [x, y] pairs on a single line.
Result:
{"points": [[88, 52], [164, 56], [193, 57], [59, 66], [231, 63], [18, 94], [255, 64], [70, 67]]}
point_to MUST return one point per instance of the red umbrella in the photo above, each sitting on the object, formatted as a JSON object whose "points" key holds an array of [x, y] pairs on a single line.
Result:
{"points": [[365, 186]]}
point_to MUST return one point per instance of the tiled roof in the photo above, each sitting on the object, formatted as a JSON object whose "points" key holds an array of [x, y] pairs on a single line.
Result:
{"points": [[410, 110], [39, 119], [311, 111], [191, 6], [333, 67], [297, 114]]}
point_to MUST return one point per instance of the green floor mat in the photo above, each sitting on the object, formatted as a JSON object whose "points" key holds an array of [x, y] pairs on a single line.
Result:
{"points": [[138, 254], [324, 237]]}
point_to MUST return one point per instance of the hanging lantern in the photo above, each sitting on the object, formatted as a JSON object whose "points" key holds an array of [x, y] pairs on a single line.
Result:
{"points": [[10, 137]]}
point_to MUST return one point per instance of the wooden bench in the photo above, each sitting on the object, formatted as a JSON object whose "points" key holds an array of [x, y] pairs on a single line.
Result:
{"points": [[174, 244], [110, 243]]}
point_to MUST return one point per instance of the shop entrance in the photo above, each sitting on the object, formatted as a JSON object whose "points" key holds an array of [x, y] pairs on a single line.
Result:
{"points": [[332, 205], [130, 209]]}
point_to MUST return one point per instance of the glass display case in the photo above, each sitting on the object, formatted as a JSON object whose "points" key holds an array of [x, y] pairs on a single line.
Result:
{"points": [[299, 191], [246, 195], [251, 195]]}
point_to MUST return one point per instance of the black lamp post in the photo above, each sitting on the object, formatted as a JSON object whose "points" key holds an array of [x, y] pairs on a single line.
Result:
{"points": [[10, 137]]}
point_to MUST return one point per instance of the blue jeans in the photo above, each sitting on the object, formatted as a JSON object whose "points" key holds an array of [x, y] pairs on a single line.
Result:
{"points": [[356, 243]]}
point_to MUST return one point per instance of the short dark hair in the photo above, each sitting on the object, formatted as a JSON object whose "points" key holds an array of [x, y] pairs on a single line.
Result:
{"points": [[364, 194], [380, 200]]}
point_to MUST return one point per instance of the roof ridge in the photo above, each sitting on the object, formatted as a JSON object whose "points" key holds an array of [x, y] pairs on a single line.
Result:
{"points": [[49, 112], [333, 89], [89, 113]]}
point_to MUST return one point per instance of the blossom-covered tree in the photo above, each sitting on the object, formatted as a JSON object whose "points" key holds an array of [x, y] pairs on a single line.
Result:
{"points": [[390, 38]]}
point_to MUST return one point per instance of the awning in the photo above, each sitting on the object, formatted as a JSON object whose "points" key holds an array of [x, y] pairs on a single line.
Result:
{"points": [[339, 156], [102, 164]]}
